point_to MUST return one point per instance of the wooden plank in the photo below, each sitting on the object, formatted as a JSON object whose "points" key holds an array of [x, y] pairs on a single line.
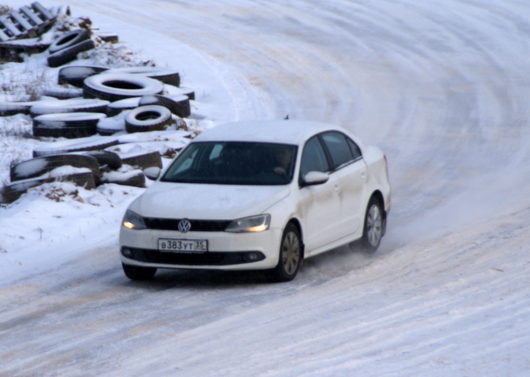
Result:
{"points": [[21, 21], [10, 27], [28, 12], [45, 13], [4, 36]]}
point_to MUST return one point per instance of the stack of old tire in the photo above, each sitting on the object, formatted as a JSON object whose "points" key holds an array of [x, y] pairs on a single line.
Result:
{"points": [[87, 101], [91, 93], [85, 163]]}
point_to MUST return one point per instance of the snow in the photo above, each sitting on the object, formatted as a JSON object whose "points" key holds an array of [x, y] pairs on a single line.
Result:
{"points": [[30, 167], [113, 124], [441, 86], [123, 174], [67, 105]]}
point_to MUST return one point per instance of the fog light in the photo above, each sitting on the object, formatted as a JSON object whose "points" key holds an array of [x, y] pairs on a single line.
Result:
{"points": [[254, 256], [126, 252]]}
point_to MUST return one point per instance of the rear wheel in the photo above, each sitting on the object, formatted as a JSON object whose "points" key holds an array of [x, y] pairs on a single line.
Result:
{"points": [[373, 226], [290, 258], [138, 273]]}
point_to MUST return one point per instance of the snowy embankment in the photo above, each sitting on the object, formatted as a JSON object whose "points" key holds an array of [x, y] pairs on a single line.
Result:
{"points": [[442, 86]]}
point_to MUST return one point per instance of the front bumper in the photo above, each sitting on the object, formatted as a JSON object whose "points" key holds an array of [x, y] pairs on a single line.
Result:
{"points": [[226, 251]]}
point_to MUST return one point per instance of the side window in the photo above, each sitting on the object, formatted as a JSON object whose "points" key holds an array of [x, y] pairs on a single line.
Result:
{"points": [[354, 148], [338, 148], [313, 157]]}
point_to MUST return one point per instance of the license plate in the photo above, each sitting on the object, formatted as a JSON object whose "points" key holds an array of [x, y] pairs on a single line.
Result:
{"points": [[182, 246]]}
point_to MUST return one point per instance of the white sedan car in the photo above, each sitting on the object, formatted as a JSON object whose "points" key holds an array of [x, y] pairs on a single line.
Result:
{"points": [[258, 196]]}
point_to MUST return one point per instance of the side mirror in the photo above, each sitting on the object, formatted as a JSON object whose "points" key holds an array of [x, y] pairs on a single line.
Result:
{"points": [[315, 178], [152, 172]]}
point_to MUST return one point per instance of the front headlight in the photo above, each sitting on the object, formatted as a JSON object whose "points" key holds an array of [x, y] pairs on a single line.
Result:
{"points": [[132, 220], [259, 223]]}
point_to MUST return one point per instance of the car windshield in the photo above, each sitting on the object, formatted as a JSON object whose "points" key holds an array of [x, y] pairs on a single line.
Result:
{"points": [[234, 163]]}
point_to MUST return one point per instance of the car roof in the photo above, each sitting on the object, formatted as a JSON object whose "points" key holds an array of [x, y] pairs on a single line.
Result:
{"points": [[272, 131]]}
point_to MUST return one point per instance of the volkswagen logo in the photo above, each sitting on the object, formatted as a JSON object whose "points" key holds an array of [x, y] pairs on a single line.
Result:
{"points": [[184, 225]]}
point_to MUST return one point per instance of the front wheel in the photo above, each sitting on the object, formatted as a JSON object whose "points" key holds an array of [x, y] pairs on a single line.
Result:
{"points": [[373, 226], [137, 272], [290, 258]]}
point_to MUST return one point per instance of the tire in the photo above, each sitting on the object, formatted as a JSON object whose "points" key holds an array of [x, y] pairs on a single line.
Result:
{"points": [[76, 74], [75, 146], [178, 105], [147, 118], [70, 106], [117, 107], [188, 92], [144, 160], [167, 76], [112, 125], [116, 86], [66, 55], [138, 273], [374, 225], [38, 166], [68, 39], [134, 178], [68, 125], [63, 93], [13, 108], [290, 255], [13, 191], [66, 132], [106, 159]]}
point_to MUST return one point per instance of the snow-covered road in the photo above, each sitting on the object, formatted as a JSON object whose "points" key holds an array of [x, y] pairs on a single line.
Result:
{"points": [[443, 87]]}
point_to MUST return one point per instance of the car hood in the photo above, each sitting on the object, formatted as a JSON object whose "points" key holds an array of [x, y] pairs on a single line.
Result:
{"points": [[214, 202]]}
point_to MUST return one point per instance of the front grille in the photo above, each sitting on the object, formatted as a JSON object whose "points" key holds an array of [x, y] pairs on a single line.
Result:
{"points": [[205, 259], [196, 225]]}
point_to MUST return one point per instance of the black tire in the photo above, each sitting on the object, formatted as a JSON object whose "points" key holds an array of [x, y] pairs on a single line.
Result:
{"points": [[72, 105], [374, 225], [66, 132], [106, 159], [117, 107], [178, 105], [63, 93], [68, 39], [76, 74], [112, 125], [290, 257], [38, 166], [66, 55], [188, 92], [75, 146], [144, 160], [116, 86], [68, 125], [147, 118], [167, 76], [134, 178], [13, 108], [137, 272], [13, 191]]}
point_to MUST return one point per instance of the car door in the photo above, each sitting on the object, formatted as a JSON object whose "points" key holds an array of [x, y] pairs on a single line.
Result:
{"points": [[349, 172], [318, 204]]}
